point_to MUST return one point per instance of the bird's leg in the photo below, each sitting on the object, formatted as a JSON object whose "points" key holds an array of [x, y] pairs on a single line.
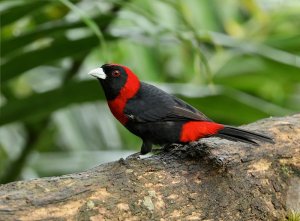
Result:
{"points": [[146, 147]]}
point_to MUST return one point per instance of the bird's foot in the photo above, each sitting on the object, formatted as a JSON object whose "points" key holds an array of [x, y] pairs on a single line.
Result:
{"points": [[157, 150], [166, 148], [135, 156]]}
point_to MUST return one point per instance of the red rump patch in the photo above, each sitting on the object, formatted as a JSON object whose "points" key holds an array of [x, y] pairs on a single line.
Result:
{"points": [[194, 130], [128, 91]]}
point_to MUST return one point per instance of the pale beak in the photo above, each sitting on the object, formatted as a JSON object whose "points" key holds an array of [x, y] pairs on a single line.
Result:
{"points": [[98, 73]]}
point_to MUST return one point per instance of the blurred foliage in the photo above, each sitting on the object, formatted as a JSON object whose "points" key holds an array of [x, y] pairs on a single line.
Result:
{"points": [[237, 61]]}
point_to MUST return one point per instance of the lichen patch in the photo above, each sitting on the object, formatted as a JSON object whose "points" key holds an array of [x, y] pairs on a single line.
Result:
{"points": [[175, 214], [193, 216], [259, 166], [123, 206], [173, 196], [147, 202], [66, 210], [100, 194]]}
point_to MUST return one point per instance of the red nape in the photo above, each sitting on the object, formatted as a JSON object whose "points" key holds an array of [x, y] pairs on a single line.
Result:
{"points": [[128, 91], [194, 130]]}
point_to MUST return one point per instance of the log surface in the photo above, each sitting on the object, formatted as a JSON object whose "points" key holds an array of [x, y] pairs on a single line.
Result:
{"points": [[213, 179]]}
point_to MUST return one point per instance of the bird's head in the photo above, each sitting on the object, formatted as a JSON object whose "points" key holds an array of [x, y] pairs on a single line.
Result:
{"points": [[114, 78]]}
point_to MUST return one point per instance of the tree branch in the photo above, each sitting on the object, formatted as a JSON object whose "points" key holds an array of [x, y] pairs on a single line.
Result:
{"points": [[213, 179]]}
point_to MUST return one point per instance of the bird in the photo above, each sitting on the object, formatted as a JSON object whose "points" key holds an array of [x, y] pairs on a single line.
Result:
{"points": [[158, 117]]}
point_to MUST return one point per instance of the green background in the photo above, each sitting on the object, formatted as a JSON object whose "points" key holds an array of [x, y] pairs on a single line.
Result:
{"points": [[236, 61]]}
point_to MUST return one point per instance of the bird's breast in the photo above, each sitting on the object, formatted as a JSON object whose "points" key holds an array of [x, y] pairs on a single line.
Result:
{"points": [[127, 92], [117, 107]]}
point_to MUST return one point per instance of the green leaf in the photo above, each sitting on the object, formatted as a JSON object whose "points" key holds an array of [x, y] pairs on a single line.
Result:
{"points": [[249, 47], [260, 76], [46, 30], [13, 14], [285, 42], [59, 49], [43, 104]]}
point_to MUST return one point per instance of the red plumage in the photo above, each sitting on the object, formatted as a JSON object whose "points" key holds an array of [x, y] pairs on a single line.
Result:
{"points": [[194, 130], [130, 89]]}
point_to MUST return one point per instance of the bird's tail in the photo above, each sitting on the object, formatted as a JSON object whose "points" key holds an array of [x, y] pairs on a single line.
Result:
{"points": [[236, 134]]}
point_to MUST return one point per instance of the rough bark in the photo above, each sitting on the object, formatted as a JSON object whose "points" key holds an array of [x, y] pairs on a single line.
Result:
{"points": [[211, 180]]}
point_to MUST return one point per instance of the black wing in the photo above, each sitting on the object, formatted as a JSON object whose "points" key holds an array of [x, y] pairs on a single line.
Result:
{"points": [[152, 105]]}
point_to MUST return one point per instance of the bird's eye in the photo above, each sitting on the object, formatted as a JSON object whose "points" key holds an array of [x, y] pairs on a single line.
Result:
{"points": [[116, 73]]}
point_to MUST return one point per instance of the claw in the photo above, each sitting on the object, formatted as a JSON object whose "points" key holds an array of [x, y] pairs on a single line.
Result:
{"points": [[135, 156]]}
